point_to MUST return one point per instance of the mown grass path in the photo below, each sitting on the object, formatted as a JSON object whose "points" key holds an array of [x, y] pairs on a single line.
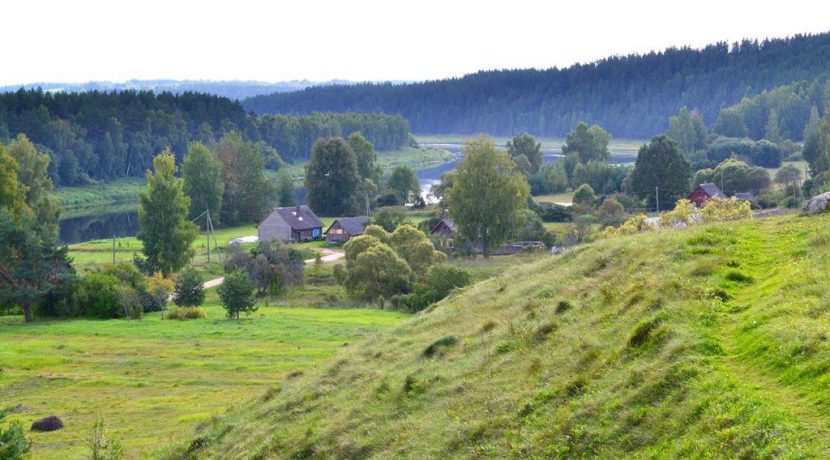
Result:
{"points": [[761, 256]]}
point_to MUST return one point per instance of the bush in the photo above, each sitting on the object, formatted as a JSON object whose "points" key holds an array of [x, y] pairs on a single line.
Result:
{"points": [[100, 447], [189, 290], [272, 267], [552, 212], [185, 313], [439, 282], [158, 293], [13, 442], [237, 294], [99, 296], [584, 195], [390, 217]]}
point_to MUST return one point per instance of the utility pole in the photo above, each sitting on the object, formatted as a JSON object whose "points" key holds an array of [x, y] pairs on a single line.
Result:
{"points": [[113, 249], [211, 230], [657, 198]]}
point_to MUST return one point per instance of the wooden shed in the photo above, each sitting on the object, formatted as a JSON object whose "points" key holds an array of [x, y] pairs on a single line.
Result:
{"points": [[291, 224], [342, 229], [705, 192]]}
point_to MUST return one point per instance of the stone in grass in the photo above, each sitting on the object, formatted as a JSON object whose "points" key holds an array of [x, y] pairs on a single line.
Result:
{"points": [[50, 423]]}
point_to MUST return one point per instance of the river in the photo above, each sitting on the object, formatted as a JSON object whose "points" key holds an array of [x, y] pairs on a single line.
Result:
{"points": [[116, 221]]}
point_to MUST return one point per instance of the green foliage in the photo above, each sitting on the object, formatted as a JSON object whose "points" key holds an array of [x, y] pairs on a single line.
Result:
{"points": [[533, 229], [487, 195], [99, 294], [247, 191], [413, 246], [603, 177], [549, 179], [378, 272], [101, 448], [730, 124], [390, 217], [735, 176], [524, 145], [404, 184], [660, 164], [365, 156], [772, 132], [237, 294], [589, 143], [760, 153], [186, 313], [610, 212], [285, 189], [688, 130], [189, 290], [271, 266], [31, 264], [332, 177], [584, 195], [202, 174], [13, 442], [165, 231]]}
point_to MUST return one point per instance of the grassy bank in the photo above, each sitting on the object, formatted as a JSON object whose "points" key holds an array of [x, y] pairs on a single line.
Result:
{"points": [[117, 191], [709, 342], [153, 379]]}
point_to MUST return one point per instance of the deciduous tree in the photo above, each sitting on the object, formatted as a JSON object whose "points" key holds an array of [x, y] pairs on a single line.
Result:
{"points": [[660, 166], [202, 174], [332, 177], [488, 195], [524, 145], [589, 143]]}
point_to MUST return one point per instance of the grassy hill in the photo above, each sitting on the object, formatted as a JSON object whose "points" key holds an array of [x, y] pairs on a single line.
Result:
{"points": [[708, 342]]}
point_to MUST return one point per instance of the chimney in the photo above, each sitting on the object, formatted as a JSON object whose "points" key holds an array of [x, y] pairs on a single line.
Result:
{"points": [[298, 211]]}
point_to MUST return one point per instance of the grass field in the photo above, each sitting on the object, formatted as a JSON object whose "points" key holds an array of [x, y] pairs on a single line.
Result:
{"points": [[710, 342], [561, 198], [618, 147], [153, 380]]}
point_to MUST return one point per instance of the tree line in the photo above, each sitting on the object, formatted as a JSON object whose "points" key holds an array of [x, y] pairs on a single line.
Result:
{"points": [[631, 96], [100, 136]]}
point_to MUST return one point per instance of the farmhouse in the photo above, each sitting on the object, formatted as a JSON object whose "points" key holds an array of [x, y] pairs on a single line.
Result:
{"points": [[292, 224], [443, 229], [342, 229], [705, 192]]}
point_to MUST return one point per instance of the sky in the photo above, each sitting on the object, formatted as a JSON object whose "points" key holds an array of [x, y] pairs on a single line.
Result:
{"points": [[366, 40]]}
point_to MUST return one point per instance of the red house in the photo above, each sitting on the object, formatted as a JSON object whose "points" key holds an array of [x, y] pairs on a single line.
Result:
{"points": [[705, 192]]}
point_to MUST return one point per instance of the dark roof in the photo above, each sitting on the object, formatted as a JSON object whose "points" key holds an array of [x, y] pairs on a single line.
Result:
{"points": [[712, 190], [352, 225], [745, 196], [298, 217], [446, 221]]}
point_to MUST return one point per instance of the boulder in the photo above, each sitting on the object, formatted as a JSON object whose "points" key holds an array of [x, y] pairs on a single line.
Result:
{"points": [[50, 423], [816, 204]]}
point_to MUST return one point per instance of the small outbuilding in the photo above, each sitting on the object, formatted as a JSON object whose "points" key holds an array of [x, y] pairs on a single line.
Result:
{"points": [[744, 196], [291, 224], [705, 192], [341, 230], [443, 229]]}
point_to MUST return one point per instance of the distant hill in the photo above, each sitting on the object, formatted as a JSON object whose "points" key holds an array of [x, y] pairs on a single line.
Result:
{"points": [[708, 342], [232, 89], [631, 96]]}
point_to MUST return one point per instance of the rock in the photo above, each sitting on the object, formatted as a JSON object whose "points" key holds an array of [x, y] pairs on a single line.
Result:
{"points": [[816, 204], [50, 423]]}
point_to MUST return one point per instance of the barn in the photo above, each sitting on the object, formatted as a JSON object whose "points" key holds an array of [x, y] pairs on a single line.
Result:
{"points": [[342, 229], [291, 224], [705, 192]]}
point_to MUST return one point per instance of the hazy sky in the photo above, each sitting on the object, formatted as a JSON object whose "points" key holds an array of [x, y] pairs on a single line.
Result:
{"points": [[79, 40]]}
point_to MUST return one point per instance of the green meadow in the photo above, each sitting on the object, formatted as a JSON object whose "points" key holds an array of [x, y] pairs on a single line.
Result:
{"points": [[153, 380]]}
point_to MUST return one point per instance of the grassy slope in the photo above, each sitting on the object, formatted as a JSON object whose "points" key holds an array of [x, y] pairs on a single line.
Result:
{"points": [[708, 342], [153, 379]]}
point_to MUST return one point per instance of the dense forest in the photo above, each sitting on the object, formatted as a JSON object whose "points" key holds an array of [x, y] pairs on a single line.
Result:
{"points": [[98, 136], [782, 112], [631, 96]]}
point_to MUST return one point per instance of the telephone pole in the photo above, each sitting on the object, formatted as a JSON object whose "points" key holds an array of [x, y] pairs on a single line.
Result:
{"points": [[657, 198]]}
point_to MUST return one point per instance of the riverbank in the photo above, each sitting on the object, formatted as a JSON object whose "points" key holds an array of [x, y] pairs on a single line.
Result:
{"points": [[121, 195]]}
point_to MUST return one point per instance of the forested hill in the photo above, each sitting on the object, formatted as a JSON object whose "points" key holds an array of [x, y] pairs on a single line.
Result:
{"points": [[98, 136], [631, 96]]}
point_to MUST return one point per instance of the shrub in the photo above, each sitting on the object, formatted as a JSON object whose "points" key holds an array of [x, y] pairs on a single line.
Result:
{"points": [[438, 283], [272, 267], [340, 274], [390, 217], [584, 195], [13, 442], [99, 296], [159, 289], [185, 313], [237, 294], [100, 447], [189, 290], [437, 348]]}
